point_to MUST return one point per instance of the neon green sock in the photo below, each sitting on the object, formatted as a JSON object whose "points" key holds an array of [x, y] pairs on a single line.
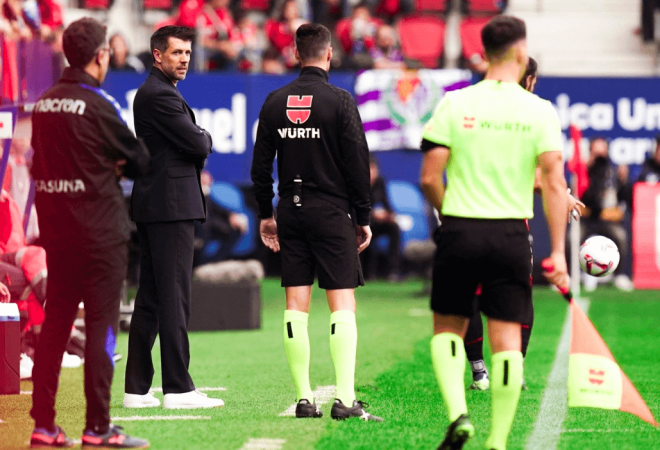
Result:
{"points": [[343, 347], [505, 382], [296, 345], [448, 355]]}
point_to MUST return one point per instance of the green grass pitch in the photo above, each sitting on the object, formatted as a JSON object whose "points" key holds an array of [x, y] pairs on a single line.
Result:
{"points": [[394, 374]]}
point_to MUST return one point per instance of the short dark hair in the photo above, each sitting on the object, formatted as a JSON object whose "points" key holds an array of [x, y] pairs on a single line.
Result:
{"points": [[311, 40], [657, 139], [160, 39], [81, 41], [530, 71], [532, 68], [501, 33]]}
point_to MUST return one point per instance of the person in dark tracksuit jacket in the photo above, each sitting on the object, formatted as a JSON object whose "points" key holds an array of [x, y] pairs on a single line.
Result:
{"points": [[315, 130], [81, 146]]}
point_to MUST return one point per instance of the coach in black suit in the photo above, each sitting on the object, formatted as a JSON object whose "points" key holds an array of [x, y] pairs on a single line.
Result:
{"points": [[164, 204]]}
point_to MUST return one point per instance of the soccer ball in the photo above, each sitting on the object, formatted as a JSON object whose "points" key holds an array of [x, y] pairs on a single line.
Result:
{"points": [[599, 256]]}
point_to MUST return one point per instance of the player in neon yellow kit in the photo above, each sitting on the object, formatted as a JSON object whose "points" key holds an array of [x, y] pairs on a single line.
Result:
{"points": [[490, 138]]}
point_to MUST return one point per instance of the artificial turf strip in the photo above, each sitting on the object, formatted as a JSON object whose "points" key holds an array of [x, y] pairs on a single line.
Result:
{"points": [[630, 325], [414, 413], [252, 366], [394, 374]]}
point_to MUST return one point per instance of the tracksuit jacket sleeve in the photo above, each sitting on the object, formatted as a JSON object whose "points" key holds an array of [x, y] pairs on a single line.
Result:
{"points": [[171, 119], [120, 143], [354, 154], [262, 168]]}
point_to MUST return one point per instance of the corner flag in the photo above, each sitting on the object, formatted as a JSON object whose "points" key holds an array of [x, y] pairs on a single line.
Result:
{"points": [[595, 380]]}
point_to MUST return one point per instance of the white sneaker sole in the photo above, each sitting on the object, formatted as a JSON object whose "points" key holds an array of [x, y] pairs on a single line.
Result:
{"points": [[141, 405], [141, 402], [195, 406]]}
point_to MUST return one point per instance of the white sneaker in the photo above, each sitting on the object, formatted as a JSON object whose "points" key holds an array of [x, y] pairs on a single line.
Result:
{"points": [[26, 367], [191, 400], [70, 361], [590, 283], [623, 283], [141, 401]]}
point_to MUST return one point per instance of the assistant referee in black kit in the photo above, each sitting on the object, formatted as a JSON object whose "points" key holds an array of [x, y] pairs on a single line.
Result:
{"points": [[315, 130]]}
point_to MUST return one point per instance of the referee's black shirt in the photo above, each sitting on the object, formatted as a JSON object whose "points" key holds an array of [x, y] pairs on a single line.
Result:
{"points": [[316, 132]]}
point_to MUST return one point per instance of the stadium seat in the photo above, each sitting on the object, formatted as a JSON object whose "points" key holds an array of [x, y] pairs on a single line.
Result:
{"points": [[485, 6], [255, 5], [431, 5], [471, 36], [158, 4], [423, 39], [230, 197], [409, 205], [96, 4]]}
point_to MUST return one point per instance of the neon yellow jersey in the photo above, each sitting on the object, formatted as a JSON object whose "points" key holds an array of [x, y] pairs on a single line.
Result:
{"points": [[495, 132]]}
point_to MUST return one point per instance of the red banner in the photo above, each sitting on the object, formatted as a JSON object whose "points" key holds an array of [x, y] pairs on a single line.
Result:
{"points": [[646, 236]]}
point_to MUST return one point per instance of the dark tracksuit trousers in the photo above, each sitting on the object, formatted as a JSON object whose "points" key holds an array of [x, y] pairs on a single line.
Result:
{"points": [[95, 278]]}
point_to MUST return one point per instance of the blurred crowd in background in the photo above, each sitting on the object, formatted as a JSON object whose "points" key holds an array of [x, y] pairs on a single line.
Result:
{"points": [[258, 35]]}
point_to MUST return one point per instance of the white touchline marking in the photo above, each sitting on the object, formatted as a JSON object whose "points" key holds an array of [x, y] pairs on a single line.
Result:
{"points": [[580, 430], [547, 428], [263, 444], [139, 418], [419, 312], [207, 389], [322, 395], [26, 392]]}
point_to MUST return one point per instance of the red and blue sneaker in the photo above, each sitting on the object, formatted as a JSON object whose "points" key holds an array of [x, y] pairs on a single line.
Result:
{"points": [[42, 438], [114, 438]]}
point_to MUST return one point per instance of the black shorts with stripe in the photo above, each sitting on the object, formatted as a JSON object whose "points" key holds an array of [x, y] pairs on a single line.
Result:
{"points": [[493, 253], [318, 238]]}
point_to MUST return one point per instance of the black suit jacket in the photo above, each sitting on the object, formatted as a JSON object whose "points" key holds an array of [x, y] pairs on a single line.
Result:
{"points": [[171, 189]]}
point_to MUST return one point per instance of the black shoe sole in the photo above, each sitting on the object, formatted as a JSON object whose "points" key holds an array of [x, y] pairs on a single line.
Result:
{"points": [[309, 417]]}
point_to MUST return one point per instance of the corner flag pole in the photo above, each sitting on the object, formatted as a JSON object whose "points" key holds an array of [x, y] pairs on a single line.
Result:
{"points": [[575, 248], [595, 379]]}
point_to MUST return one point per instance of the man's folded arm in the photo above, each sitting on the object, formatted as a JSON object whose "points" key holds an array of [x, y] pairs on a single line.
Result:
{"points": [[173, 122], [121, 143]]}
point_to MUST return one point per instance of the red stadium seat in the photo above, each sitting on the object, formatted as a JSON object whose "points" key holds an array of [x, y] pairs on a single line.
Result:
{"points": [[423, 38], [96, 4], [158, 4], [431, 5], [471, 36], [255, 5], [485, 6]]}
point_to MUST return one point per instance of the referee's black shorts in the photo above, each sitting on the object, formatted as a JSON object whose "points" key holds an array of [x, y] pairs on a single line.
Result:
{"points": [[318, 237], [493, 253]]}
